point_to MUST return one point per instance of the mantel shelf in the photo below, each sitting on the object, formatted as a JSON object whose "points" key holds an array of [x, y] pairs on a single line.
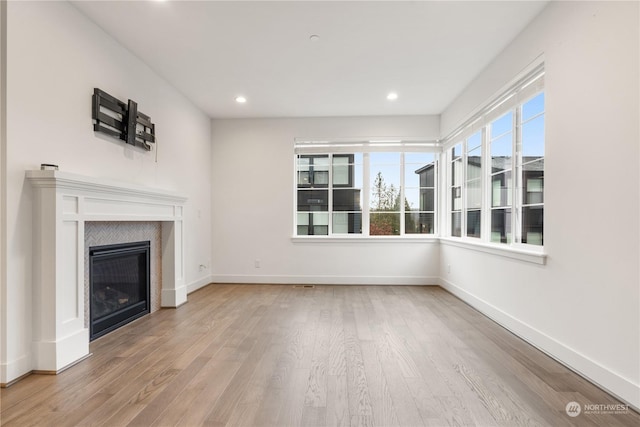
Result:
{"points": [[71, 181]]}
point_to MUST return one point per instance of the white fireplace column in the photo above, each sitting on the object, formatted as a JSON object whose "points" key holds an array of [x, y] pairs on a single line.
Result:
{"points": [[63, 203]]}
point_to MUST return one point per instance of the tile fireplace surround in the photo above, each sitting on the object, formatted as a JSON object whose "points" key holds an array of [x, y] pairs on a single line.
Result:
{"points": [[63, 204]]}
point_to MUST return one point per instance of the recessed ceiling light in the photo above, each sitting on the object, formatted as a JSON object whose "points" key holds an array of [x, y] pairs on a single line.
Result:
{"points": [[314, 37], [241, 99], [392, 96]]}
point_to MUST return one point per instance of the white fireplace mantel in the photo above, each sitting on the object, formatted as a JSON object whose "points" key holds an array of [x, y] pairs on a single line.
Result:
{"points": [[63, 203]]}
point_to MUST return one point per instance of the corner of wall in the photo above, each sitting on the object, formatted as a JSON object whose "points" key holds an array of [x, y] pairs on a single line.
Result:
{"points": [[3, 191], [199, 284]]}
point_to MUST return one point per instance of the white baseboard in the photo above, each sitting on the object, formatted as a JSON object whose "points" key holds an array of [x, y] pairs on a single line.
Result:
{"points": [[604, 378], [326, 280], [15, 369], [200, 283]]}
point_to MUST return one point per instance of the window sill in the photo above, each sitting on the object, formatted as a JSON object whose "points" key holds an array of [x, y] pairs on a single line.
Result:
{"points": [[531, 256], [496, 249], [361, 239]]}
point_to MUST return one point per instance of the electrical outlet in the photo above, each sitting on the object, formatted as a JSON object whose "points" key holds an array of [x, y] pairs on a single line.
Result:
{"points": [[256, 263], [448, 268]]}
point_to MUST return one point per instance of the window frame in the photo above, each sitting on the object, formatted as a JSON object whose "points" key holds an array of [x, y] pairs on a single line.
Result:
{"points": [[304, 147], [520, 167], [329, 187], [510, 101]]}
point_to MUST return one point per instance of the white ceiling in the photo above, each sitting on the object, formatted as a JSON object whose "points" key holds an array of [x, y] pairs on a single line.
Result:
{"points": [[213, 51]]}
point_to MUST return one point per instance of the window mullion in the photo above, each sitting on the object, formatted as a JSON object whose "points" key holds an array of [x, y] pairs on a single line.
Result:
{"points": [[450, 198], [437, 215], [296, 174], [366, 190], [448, 209], [485, 182], [402, 189], [330, 196], [464, 190], [515, 167], [445, 197], [445, 190]]}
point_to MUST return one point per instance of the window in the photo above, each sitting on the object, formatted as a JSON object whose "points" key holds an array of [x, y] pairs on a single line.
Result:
{"points": [[531, 167], [473, 185], [367, 192], [466, 187], [419, 193], [511, 132], [456, 190], [385, 208], [318, 189], [501, 143], [347, 191]]}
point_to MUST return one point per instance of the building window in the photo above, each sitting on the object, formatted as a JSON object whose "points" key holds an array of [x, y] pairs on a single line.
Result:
{"points": [[511, 131], [370, 192]]}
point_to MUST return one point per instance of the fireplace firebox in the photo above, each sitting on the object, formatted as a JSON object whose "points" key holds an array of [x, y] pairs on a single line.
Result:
{"points": [[119, 285]]}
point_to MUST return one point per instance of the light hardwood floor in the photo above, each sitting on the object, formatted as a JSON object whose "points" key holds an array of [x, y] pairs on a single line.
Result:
{"points": [[275, 355]]}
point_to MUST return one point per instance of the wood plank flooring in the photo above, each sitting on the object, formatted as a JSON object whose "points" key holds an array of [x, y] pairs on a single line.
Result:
{"points": [[275, 355]]}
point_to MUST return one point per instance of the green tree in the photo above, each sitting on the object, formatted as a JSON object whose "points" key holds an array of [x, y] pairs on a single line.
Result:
{"points": [[385, 208]]}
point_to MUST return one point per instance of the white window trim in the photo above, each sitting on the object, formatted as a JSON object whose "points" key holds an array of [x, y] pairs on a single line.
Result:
{"points": [[526, 86], [329, 146], [494, 249], [514, 252], [357, 238]]}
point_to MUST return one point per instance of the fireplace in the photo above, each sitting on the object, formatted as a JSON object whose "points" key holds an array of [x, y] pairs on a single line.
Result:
{"points": [[119, 285], [64, 203]]}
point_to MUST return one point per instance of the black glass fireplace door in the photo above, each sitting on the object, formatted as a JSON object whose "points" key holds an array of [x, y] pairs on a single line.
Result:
{"points": [[119, 285]]}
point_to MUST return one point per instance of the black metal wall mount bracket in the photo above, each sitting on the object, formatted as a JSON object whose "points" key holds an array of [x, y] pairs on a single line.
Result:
{"points": [[123, 121]]}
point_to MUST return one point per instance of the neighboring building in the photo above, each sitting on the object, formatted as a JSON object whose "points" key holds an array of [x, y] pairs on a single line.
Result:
{"points": [[501, 194], [313, 195], [424, 220]]}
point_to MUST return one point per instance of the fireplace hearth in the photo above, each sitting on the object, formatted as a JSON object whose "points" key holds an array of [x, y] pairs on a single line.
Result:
{"points": [[119, 285]]}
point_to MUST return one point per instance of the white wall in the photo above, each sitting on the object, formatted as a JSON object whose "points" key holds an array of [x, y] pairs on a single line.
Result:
{"points": [[253, 194], [583, 307], [55, 58]]}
